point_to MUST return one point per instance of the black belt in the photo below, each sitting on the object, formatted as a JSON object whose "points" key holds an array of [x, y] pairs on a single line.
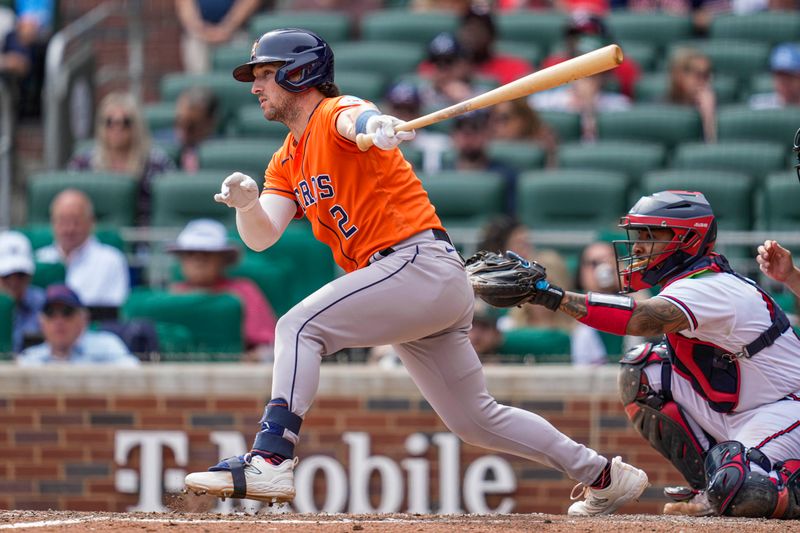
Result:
{"points": [[438, 234]]}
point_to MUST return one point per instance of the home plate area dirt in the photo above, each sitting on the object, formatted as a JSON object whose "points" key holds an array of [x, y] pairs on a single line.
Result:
{"points": [[46, 521]]}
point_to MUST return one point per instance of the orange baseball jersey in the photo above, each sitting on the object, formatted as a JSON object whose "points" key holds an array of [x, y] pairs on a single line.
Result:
{"points": [[357, 202]]}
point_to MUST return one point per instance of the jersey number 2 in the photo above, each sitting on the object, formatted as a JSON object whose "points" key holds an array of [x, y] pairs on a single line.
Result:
{"points": [[341, 217]]}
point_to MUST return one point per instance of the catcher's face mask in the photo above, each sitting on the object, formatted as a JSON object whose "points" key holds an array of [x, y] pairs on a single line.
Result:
{"points": [[797, 152], [645, 251]]}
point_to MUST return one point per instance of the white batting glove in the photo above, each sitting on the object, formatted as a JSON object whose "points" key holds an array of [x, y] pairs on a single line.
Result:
{"points": [[383, 129], [239, 191]]}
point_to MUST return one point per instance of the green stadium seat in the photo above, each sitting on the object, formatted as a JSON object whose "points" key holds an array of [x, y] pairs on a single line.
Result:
{"points": [[465, 198], [545, 29], [530, 52], [160, 116], [653, 87], [41, 235], [742, 123], [629, 157], [760, 83], [769, 27], [6, 326], [405, 26], [250, 156], [665, 124], [49, 274], [179, 197], [519, 155], [729, 193], [367, 85], [388, 59], [566, 125], [754, 158], [571, 199], [413, 155], [273, 277], [305, 254], [113, 195], [232, 94], [545, 345], [741, 59], [655, 28], [175, 344], [227, 57], [251, 123], [646, 55], [333, 26], [214, 320], [780, 206]]}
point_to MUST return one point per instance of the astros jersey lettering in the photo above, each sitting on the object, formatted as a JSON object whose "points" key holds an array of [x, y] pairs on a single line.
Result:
{"points": [[357, 202]]}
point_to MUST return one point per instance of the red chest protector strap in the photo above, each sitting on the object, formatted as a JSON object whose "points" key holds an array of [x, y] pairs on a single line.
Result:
{"points": [[713, 371]]}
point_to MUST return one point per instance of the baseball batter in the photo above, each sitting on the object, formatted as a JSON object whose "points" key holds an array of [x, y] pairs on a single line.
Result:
{"points": [[720, 397], [405, 283]]}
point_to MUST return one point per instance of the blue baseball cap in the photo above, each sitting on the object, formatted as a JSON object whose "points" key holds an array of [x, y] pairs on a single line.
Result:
{"points": [[61, 294], [785, 58]]}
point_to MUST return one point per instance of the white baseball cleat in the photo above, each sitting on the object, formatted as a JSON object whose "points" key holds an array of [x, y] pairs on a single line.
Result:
{"points": [[246, 476], [627, 483]]}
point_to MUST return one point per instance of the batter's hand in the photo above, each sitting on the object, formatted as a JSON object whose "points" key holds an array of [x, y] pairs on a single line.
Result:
{"points": [[385, 137], [775, 261], [239, 191]]}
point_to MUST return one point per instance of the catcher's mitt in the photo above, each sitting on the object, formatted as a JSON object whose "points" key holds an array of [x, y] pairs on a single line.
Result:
{"points": [[503, 280]]}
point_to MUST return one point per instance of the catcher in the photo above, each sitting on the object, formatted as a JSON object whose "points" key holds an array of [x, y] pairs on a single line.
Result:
{"points": [[720, 397]]}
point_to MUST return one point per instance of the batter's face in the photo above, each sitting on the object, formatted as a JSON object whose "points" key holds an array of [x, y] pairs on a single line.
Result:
{"points": [[275, 101]]}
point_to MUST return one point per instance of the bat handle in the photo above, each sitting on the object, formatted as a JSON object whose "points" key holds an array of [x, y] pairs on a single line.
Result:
{"points": [[364, 141]]}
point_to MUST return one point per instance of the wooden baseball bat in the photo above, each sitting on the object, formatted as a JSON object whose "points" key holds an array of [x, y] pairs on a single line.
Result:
{"points": [[582, 66]]}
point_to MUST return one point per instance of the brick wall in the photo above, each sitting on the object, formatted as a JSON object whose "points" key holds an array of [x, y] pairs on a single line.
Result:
{"points": [[57, 448]]}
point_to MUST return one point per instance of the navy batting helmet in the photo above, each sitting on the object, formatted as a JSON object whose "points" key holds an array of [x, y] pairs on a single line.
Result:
{"points": [[694, 232], [301, 51]]}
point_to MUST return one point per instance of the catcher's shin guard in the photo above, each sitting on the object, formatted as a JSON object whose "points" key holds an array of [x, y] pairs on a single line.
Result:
{"points": [[735, 490], [656, 416]]}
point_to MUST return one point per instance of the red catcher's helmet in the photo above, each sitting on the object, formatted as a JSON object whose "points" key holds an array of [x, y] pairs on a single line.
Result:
{"points": [[694, 231]]}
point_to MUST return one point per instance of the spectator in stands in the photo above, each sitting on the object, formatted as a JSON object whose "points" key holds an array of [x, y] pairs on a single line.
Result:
{"points": [[98, 273], [196, 119], [64, 321], [447, 74], [471, 137], [585, 32], [485, 336], [477, 34], [515, 120], [16, 272], [597, 272], [458, 7], [209, 23], [122, 144], [690, 84], [204, 253], [503, 233], [584, 96], [403, 100], [785, 66]]}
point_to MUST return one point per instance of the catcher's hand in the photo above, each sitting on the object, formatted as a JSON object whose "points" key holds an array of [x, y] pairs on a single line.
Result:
{"points": [[504, 280]]}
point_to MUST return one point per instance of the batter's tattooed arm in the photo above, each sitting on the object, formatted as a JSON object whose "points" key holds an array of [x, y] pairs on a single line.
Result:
{"points": [[574, 304], [656, 316]]}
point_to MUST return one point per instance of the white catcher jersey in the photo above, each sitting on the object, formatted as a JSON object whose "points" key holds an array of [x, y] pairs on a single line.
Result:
{"points": [[728, 312]]}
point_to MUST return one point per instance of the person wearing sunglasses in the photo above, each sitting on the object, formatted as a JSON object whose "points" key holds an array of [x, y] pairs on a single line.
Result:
{"points": [[690, 84], [16, 272], [784, 63], [122, 144], [64, 321]]}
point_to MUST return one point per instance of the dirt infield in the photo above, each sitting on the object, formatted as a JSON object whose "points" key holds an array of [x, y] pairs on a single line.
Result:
{"points": [[46, 521]]}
